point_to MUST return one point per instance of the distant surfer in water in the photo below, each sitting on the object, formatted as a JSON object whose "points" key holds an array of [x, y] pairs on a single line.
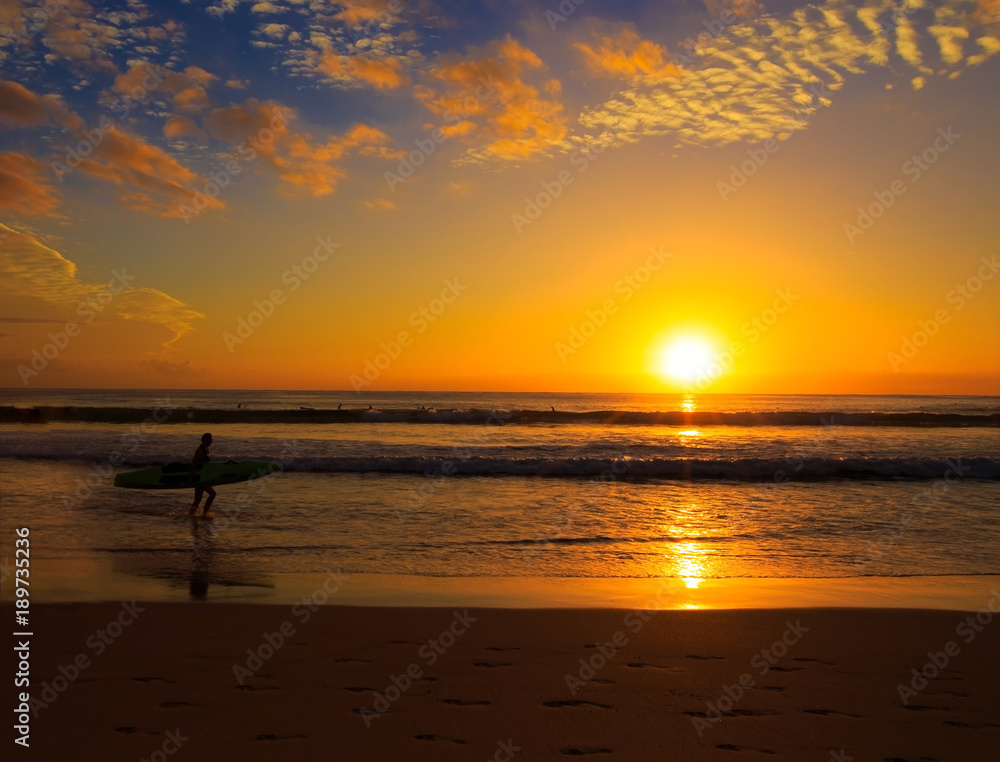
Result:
{"points": [[202, 455]]}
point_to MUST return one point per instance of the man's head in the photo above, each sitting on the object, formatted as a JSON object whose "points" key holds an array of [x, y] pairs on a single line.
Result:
{"points": [[206, 439]]}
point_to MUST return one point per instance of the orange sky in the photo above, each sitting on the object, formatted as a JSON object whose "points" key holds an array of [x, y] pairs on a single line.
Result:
{"points": [[498, 199]]}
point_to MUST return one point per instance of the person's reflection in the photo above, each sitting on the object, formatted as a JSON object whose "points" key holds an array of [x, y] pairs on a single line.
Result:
{"points": [[201, 558]]}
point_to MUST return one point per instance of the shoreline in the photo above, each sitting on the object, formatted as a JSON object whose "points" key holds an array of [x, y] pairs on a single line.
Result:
{"points": [[98, 580]]}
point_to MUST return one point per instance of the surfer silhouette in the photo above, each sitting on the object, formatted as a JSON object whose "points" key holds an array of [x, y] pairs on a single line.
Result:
{"points": [[202, 455]]}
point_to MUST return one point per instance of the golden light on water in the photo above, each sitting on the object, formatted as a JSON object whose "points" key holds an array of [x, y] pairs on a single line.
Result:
{"points": [[690, 433]]}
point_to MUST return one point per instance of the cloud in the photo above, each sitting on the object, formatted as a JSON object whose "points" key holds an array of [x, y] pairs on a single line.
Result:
{"points": [[380, 203], [28, 268], [188, 90], [484, 98], [182, 127], [299, 160], [22, 187], [623, 53], [744, 9], [766, 78], [19, 107], [151, 179], [385, 74]]}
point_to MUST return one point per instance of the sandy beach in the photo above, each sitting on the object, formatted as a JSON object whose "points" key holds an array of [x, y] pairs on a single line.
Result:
{"points": [[258, 682]]}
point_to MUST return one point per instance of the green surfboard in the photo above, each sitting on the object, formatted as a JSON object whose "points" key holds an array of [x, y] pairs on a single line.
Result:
{"points": [[179, 476]]}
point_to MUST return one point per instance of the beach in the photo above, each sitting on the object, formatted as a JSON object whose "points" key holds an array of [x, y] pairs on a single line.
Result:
{"points": [[259, 682], [477, 577]]}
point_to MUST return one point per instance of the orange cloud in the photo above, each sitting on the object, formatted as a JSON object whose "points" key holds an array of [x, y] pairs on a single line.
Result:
{"points": [[360, 12], [483, 97], [260, 130], [180, 127], [383, 73], [30, 269], [22, 187], [743, 9], [626, 54], [188, 89], [20, 107], [152, 180], [73, 30]]}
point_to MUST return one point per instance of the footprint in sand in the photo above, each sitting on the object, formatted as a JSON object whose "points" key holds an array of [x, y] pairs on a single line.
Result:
{"points": [[365, 711], [152, 680], [351, 660], [734, 747], [816, 661], [971, 726], [463, 702], [356, 689], [493, 664], [787, 669], [432, 737], [404, 643], [178, 704], [574, 703], [126, 729], [275, 737], [580, 751], [501, 648], [601, 681], [645, 665], [826, 712], [767, 687], [257, 688], [699, 656]]}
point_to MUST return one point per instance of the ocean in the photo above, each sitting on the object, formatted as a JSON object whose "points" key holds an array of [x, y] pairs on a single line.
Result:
{"points": [[437, 485]]}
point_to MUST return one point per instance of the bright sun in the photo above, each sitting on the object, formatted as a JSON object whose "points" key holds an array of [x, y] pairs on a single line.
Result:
{"points": [[685, 359]]}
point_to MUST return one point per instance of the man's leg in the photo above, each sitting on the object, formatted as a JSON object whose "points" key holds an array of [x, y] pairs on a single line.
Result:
{"points": [[211, 497], [198, 492]]}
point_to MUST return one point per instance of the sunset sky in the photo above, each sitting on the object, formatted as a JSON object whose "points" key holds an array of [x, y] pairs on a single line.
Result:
{"points": [[536, 196]]}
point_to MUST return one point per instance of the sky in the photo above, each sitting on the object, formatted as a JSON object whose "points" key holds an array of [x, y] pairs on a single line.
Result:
{"points": [[721, 196]]}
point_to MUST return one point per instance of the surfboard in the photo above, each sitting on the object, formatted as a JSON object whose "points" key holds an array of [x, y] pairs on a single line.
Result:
{"points": [[179, 476]]}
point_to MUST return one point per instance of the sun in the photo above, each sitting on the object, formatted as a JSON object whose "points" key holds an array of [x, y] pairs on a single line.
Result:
{"points": [[685, 359]]}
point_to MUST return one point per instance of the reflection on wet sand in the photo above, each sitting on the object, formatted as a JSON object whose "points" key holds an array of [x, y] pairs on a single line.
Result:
{"points": [[199, 569]]}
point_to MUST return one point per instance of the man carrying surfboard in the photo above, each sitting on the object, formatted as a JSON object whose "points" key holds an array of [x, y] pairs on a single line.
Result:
{"points": [[201, 455]]}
